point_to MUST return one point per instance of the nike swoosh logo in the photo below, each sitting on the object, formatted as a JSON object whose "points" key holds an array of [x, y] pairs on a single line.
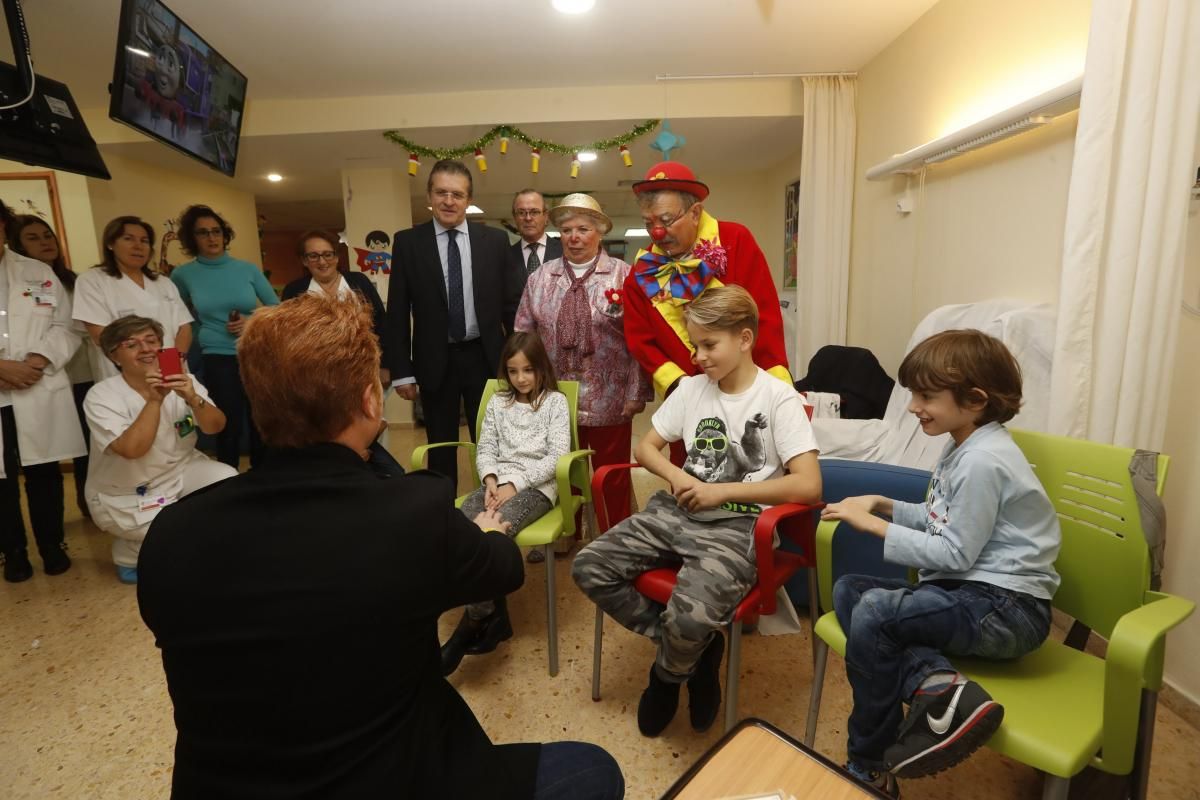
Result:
{"points": [[940, 725]]}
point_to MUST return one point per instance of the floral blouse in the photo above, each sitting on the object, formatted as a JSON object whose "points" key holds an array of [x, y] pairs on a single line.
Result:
{"points": [[611, 378]]}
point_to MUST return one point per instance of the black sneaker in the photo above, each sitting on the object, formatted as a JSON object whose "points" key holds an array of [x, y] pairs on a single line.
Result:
{"points": [[56, 561], [657, 707], [17, 567], [943, 729], [704, 687]]}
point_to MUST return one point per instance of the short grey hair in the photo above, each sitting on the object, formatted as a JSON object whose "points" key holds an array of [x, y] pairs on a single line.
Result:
{"points": [[122, 328], [528, 191], [645, 199]]}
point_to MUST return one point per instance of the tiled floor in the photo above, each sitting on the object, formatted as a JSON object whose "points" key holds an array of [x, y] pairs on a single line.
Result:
{"points": [[84, 711]]}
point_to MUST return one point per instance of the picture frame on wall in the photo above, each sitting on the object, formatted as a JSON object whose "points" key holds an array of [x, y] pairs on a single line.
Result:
{"points": [[36, 193], [791, 233]]}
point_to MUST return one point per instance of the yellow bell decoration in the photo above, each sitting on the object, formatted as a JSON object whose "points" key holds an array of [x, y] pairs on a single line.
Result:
{"points": [[480, 160], [536, 160], [575, 165], [413, 164], [503, 145], [626, 156]]}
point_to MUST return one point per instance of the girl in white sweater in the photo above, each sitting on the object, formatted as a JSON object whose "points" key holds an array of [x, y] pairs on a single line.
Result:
{"points": [[526, 428]]}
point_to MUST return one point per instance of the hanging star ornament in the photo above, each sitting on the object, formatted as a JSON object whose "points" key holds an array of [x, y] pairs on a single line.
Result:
{"points": [[667, 140]]}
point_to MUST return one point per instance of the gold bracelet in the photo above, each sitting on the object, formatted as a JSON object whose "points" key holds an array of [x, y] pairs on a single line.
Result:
{"points": [[202, 404]]}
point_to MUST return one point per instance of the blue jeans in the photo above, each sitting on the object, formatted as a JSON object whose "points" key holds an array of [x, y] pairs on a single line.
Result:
{"points": [[577, 771], [898, 634]]}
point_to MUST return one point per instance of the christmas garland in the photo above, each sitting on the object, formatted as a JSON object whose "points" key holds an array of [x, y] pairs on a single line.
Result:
{"points": [[506, 132]]}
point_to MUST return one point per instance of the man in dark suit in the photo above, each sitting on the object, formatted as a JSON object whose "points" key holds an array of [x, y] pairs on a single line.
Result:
{"points": [[296, 605], [461, 287], [531, 216]]}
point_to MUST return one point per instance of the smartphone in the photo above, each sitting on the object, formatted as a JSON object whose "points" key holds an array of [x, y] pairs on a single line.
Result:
{"points": [[169, 362]]}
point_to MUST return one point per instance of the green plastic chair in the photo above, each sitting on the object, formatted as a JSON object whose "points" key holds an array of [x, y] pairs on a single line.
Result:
{"points": [[1065, 709], [572, 473]]}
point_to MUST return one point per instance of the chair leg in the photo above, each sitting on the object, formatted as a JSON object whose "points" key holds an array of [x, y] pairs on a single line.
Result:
{"points": [[597, 647], [814, 611], [733, 674], [1055, 788], [551, 612], [820, 659], [1141, 758]]}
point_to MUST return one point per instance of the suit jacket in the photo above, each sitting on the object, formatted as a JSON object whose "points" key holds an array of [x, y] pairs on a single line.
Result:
{"points": [[296, 607], [553, 250], [366, 290], [417, 287]]}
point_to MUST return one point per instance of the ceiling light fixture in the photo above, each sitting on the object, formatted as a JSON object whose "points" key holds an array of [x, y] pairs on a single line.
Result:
{"points": [[274, 177], [553, 234], [572, 6], [631, 233], [586, 156], [474, 209]]}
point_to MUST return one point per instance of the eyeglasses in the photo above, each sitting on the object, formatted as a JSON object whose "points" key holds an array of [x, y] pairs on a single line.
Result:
{"points": [[716, 444], [446, 194], [528, 213], [313, 258], [204, 233], [134, 343], [666, 223]]}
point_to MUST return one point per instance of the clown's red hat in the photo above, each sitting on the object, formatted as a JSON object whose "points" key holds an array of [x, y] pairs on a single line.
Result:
{"points": [[671, 175]]}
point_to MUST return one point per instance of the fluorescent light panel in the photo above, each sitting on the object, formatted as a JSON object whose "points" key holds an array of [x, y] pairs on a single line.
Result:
{"points": [[1033, 113]]}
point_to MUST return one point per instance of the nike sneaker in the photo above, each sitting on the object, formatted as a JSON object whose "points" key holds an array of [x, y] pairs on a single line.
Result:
{"points": [[944, 728]]}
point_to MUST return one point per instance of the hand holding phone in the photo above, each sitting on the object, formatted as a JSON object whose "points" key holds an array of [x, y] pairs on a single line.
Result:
{"points": [[169, 362]]}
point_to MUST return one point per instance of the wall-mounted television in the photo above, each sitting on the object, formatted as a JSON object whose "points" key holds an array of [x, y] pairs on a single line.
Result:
{"points": [[172, 85]]}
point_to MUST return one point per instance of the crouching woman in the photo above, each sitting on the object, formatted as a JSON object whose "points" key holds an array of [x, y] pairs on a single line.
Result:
{"points": [[144, 428]]}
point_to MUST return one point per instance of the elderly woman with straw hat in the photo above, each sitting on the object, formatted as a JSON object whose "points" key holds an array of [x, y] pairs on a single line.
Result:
{"points": [[576, 303]]}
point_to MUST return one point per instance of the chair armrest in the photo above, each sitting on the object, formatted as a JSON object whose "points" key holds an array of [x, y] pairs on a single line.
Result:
{"points": [[562, 478], [1135, 662], [825, 531], [599, 477], [796, 521], [418, 455]]}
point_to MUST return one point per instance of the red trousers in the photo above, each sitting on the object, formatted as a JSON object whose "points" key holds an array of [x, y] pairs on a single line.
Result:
{"points": [[613, 445]]}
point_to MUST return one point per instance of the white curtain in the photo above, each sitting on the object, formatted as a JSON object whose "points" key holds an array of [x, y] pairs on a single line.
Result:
{"points": [[826, 192], [1119, 298]]}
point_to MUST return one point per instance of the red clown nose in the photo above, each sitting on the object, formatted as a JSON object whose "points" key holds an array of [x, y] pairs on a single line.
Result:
{"points": [[658, 233]]}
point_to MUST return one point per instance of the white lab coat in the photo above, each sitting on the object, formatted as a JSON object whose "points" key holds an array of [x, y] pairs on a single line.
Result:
{"points": [[47, 425]]}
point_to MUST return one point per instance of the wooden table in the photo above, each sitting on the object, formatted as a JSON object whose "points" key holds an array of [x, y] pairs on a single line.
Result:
{"points": [[757, 761]]}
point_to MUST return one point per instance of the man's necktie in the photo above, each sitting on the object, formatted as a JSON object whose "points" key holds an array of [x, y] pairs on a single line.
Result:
{"points": [[454, 288], [534, 262]]}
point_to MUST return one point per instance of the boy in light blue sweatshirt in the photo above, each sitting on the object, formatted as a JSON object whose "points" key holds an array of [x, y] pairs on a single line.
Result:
{"points": [[984, 542]]}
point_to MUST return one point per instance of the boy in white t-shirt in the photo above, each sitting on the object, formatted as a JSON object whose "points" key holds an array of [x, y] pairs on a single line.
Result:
{"points": [[742, 428]]}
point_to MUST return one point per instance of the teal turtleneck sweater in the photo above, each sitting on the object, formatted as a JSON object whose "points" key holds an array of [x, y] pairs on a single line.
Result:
{"points": [[215, 286]]}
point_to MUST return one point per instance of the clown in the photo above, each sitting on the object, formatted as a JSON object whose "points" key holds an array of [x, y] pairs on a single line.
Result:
{"points": [[692, 251]]}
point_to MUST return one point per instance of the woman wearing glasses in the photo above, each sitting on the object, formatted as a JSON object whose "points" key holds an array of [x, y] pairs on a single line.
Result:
{"points": [[576, 304], [123, 283], [222, 291], [318, 252], [143, 427]]}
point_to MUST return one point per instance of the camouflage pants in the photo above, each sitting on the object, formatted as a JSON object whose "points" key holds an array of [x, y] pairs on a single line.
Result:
{"points": [[717, 557]]}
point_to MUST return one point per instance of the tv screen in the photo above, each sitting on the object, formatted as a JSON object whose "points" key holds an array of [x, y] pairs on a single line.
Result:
{"points": [[172, 85]]}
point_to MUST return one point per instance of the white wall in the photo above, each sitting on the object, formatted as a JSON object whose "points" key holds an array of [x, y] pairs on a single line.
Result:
{"points": [[1182, 499], [988, 223]]}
